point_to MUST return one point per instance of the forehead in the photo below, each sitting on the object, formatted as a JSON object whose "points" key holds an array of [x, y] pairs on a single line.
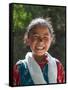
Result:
{"points": [[40, 31]]}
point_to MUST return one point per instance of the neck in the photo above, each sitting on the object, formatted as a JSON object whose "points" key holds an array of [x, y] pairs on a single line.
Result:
{"points": [[38, 58]]}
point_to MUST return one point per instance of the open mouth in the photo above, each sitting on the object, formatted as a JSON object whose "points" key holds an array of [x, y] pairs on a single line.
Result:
{"points": [[40, 48]]}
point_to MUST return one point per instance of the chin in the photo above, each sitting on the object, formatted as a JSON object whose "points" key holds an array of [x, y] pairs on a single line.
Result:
{"points": [[40, 54]]}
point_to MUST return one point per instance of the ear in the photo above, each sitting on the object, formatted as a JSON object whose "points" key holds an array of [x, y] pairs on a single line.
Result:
{"points": [[28, 42], [26, 39]]}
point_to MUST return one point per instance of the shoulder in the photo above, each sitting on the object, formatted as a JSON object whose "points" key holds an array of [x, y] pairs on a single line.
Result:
{"points": [[21, 64], [51, 58], [59, 64], [55, 60], [18, 68]]}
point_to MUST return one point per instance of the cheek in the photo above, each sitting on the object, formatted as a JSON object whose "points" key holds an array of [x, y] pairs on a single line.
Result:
{"points": [[33, 40], [49, 43], [32, 43]]}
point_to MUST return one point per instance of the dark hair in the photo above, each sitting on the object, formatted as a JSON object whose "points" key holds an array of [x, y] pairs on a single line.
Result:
{"points": [[39, 22]]}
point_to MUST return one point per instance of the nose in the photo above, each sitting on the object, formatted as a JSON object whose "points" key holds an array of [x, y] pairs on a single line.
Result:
{"points": [[40, 39]]}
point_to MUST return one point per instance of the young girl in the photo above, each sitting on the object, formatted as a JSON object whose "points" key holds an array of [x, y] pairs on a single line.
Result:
{"points": [[38, 67]]}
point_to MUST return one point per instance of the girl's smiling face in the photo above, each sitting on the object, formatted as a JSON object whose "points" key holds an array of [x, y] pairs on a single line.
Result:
{"points": [[39, 41]]}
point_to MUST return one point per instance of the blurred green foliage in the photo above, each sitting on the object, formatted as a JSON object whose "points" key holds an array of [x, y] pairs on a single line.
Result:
{"points": [[22, 15]]}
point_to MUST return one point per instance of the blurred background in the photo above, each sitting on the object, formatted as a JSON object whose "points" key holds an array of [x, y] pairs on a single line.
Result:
{"points": [[22, 14]]}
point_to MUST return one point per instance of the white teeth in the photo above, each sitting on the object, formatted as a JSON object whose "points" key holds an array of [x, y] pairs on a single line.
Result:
{"points": [[40, 48]]}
